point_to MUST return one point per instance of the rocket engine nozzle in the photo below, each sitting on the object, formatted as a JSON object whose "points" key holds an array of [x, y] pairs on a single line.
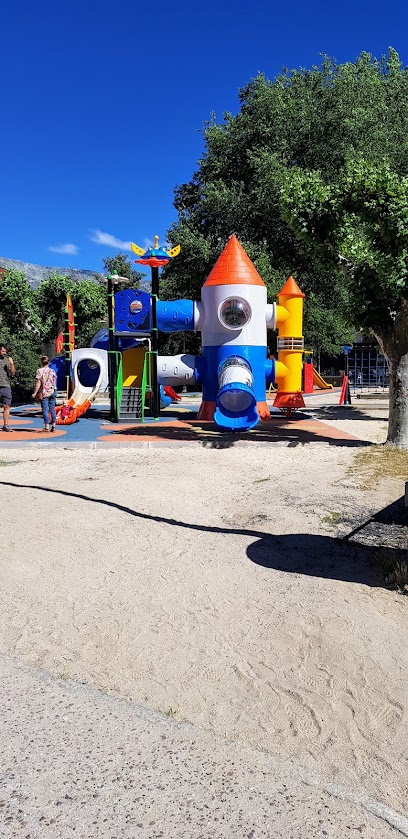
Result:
{"points": [[235, 401]]}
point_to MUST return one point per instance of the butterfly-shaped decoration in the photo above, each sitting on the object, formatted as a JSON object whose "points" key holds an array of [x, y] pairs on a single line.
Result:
{"points": [[154, 256]]}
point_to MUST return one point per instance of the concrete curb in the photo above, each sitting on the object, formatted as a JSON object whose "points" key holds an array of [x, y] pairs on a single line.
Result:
{"points": [[172, 444], [79, 762]]}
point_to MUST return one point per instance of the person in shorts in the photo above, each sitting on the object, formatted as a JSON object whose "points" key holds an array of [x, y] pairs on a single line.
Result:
{"points": [[7, 370]]}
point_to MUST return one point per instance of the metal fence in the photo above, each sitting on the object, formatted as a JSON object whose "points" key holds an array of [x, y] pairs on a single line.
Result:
{"points": [[367, 369]]}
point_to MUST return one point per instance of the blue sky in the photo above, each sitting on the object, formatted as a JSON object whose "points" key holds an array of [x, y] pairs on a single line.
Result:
{"points": [[103, 102]]}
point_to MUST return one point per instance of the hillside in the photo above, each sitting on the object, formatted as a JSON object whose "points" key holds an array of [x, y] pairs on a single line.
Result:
{"points": [[36, 273]]}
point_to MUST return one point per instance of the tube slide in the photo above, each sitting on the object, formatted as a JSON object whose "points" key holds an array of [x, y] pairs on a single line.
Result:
{"points": [[235, 406], [320, 382], [165, 400], [83, 395]]}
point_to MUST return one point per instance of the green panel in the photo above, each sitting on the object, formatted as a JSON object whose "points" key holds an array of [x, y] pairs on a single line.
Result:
{"points": [[119, 382], [145, 380]]}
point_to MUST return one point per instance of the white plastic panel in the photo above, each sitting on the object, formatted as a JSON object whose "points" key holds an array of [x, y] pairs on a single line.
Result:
{"points": [[176, 369], [100, 357], [253, 333]]}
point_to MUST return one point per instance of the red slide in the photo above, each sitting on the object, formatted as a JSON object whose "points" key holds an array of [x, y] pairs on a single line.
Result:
{"points": [[170, 392]]}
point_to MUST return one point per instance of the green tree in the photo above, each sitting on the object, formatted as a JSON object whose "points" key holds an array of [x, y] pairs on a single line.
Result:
{"points": [[89, 300], [25, 349], [346, 201], [50, 299], [20, 328], [17, 308], [237, 188], [360, 224], [289, 174]]}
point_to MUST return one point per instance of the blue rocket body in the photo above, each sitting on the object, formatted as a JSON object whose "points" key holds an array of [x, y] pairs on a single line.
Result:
{"points": [[209, 362]]}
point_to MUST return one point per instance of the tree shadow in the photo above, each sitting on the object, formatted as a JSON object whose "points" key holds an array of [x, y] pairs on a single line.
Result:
{"points": [[342, 412], [312, 555], [295, 431], [387, 528], [321, 556]]}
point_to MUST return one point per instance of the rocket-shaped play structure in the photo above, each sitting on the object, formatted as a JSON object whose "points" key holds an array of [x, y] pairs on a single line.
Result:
{"points": [[233, 317]]}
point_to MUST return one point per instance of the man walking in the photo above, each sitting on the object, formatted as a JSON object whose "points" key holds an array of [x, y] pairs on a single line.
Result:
{"points": [[7, 369]]}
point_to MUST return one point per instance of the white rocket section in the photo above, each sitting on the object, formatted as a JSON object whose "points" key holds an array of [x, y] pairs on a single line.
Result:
{"points": [[176, 369], [215, 334], [198, 316], [270, 315], [100, 357]]}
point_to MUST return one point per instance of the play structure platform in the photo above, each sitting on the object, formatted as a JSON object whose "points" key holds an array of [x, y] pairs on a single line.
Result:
{"points": [[178, 426]]}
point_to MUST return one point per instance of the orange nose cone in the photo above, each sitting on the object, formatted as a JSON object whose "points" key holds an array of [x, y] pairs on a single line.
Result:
{"points": [[290, 289], [234, 267]]}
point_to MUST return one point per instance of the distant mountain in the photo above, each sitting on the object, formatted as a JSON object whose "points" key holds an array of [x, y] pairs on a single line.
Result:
{"points": [[36, 273]]}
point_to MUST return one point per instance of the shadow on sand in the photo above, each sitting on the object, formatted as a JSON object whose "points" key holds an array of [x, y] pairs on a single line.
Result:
{"points": [[296, 553], [296, 431]]}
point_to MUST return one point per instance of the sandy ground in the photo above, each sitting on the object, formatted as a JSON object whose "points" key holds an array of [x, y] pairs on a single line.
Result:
{"points": [[208, 584]]}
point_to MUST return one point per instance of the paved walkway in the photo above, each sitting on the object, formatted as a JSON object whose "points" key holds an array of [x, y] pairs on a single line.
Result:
{"points": [[79, 763]]}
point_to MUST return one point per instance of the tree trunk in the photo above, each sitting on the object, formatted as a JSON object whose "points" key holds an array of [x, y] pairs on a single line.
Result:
{"points": [[398, 419], [395, 347]]}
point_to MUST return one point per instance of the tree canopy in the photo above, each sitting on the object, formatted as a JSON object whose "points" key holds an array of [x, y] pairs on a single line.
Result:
{"points": [[353, 216], [20, 325], [31, 319], [311, 175], [89, 300]]}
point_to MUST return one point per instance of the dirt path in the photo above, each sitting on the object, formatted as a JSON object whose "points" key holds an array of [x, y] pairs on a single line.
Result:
{"points": [[208, 582]]}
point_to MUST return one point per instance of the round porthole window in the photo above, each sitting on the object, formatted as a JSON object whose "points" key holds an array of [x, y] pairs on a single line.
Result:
{"points": [[136, 306], [234, 312]]}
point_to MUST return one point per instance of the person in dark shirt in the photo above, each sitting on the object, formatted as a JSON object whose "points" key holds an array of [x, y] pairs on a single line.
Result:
{"points": [[7, 369]]}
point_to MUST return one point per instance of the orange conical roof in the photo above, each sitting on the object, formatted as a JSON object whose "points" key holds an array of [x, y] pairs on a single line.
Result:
{"points": [[234, 267], [290, 289]]}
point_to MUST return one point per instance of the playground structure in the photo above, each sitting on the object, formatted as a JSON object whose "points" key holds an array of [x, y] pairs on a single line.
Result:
{"points": [[233, 316], [83, 395], [367, 368], [320, 382]]}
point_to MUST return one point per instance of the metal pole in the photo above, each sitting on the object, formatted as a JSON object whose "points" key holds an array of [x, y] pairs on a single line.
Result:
{"points": [[155, 345], [348, 382], [67, 352], [111, 346], [347, 394]]}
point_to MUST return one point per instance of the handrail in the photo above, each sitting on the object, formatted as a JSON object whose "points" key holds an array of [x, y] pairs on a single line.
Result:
{"points": [[144, 384], [149, 358], [119, 380]]}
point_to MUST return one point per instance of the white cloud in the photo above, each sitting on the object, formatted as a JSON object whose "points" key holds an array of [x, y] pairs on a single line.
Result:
{"points": [[68, 249], [109, 241]]}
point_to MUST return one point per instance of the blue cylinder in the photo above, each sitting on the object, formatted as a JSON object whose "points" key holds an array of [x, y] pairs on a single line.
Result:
{"points": [[175, 315], [235, 404]]}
